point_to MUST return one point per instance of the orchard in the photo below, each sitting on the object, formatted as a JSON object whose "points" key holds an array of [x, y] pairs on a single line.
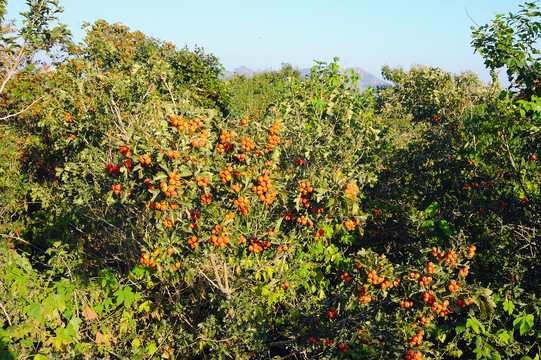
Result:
{"points": [[152, 208]]}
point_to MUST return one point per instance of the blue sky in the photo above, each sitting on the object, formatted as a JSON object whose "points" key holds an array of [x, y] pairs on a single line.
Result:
{"points": [[262, 34]]}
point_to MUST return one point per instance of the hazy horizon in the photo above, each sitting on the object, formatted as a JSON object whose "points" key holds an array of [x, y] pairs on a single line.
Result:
{"points": [[263, 35]]}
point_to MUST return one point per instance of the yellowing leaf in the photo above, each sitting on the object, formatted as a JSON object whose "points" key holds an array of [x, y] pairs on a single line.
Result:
{"points": [[101, 339], [89, 314]]}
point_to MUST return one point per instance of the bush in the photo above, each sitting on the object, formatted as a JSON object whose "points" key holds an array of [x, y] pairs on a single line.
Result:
{"points": [[162, 211]]}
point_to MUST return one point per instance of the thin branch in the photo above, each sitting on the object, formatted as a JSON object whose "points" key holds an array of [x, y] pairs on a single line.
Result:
{"points": [[18, 61], [6, 313], [283, 264], [512, 160], [119, 124], [216, 341], [281, 342], [467, 13], [209, 280], [170, 93], [71, 278], [226, 275], [149, 90], [261, 267], [213, 261], [163, 341], [22, 240], [16, 64], [23, 110]]}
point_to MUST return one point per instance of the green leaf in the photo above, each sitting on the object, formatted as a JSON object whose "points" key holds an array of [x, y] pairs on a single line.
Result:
{"points": [[265, 292], [444, 226], [151, 348], [431, 209], [529, 358], [475, 325], [110, 200], [106, 279], [34, 311], [270, 271], [185, 172], [508, 306], [503, 336], [427, 224], [74, 324], [155, 193], [480, 352], [125, 296], [524, 323], [145, 306], [440, 332], [52, 302], [459, 329]]}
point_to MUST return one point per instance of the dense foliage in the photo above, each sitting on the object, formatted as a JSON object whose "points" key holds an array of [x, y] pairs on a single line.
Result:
{"points": [[151, 208]]}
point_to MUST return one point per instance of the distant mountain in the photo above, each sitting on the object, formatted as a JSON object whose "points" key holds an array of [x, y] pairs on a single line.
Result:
{"points": [[243, 70], [367, 79]]}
